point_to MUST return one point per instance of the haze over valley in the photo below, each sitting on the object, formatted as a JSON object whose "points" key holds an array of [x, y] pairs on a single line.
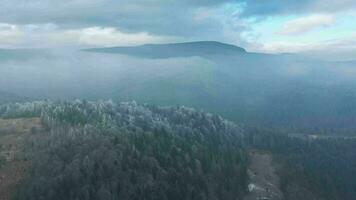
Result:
{"points": [[269, 89], [177, 100]]}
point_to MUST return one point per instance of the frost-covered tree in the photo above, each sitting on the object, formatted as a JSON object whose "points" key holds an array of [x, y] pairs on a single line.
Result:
{"points": [[107, 150]]}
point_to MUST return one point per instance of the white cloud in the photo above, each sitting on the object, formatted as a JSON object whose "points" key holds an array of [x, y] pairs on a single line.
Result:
{"points": [[348, 43], [307, 24], [50, 35], [99, 36], [9, 35]]}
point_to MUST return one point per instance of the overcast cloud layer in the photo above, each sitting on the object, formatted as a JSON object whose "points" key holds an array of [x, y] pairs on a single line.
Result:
{"points": [[81, 23]]}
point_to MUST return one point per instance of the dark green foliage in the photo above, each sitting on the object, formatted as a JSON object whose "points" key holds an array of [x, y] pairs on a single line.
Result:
{"points": [[111, 151], [312, 167], [2, 161], [2, 158]]}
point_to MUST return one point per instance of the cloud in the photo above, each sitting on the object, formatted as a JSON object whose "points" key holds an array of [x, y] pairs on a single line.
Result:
{"points": [[144, 20], [99, 36], [160, 17], [50, 35], [157, 17], [336, 49], [147, 20], [129, 13], [9, 34], [258, 8], [306, 24]]}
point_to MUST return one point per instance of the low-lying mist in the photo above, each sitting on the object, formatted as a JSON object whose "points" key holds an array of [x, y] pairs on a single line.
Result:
{"points": [[272, 90]]}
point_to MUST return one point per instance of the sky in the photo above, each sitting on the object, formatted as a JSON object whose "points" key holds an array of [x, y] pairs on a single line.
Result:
{"points": [[272, 26]]}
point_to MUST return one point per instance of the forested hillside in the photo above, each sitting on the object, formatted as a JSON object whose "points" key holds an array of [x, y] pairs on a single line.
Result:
{"points": [[103, 150], [310, 167], [106, 150]]}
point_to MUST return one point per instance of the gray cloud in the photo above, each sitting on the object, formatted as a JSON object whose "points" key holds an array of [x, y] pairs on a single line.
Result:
{"points": [[157, 16], [278, 7], [188, 20], [184, 19]]}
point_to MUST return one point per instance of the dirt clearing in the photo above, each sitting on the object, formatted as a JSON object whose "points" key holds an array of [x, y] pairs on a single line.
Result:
{"points": [[264, 182]]}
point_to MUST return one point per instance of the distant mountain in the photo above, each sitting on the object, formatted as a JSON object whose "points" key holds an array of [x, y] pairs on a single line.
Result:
{"points": [[188, 49]]}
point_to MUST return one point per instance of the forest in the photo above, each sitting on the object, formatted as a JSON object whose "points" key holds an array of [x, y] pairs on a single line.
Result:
{"points": [[108, 150], [103, 150], [310, 167]]}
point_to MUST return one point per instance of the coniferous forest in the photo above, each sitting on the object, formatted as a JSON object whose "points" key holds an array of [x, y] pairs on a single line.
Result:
{"points": [[309, 167], [108, 150], [103, 150]]}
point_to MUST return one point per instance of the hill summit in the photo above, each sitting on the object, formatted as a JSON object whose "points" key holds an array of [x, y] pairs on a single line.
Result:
{"points": [[187, 49]]}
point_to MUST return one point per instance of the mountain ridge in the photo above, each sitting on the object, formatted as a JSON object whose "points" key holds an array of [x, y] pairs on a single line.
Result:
{"points": [[185, 49]]}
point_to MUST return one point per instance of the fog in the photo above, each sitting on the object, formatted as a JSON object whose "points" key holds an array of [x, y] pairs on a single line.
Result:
{"points": [[76, 74], [246, 87]]}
